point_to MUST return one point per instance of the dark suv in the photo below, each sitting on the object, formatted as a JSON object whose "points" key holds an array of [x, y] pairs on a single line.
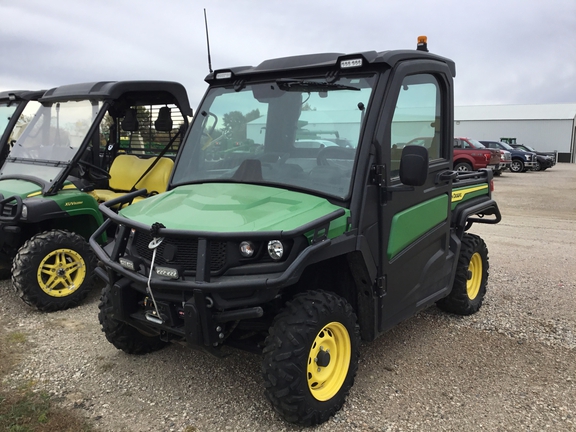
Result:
{"points": [[521, 160], [544, 160]]}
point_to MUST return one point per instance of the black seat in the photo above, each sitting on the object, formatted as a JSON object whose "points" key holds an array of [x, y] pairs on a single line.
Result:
{"points": [[130, 121], [164, 121]]}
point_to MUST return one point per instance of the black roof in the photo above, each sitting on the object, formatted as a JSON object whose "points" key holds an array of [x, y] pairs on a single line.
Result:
{"points": [[331, 60], [26, 95], [136, 92]]}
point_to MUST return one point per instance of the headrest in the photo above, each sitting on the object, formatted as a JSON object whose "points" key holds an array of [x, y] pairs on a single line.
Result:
{"points": [[130, 121], [164, 121]]}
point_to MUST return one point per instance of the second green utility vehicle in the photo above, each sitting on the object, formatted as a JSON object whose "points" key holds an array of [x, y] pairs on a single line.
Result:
{"points": [[16, 109], [277, 237], [85, 144]]}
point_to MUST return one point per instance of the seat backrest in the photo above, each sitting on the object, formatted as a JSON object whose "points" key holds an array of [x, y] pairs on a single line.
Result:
{"points": [[164, 121], [130, 121], [127, 169]]}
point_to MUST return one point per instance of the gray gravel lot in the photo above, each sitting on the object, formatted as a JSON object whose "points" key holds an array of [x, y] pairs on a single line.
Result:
{"points": [[510, 367]]}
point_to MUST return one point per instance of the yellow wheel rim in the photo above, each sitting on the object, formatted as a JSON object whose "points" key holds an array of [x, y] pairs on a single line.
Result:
{"points": [[61, 272], [328, 361], [475, 273]]}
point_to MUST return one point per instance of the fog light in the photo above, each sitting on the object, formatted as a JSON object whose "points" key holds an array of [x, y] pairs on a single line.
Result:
{"points": [[247, 249], [275, 249], [171, 273], [127, 263]]}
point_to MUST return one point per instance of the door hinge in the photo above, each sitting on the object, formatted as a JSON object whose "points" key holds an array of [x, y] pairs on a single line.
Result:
{"points": [[381, 288], [377, 173]]}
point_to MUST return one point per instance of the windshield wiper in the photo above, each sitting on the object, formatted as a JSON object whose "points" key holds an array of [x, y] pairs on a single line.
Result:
{"points": [[299, 85]]}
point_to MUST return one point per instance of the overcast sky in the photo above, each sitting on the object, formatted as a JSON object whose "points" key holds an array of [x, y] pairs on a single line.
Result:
{"points": [[506, 51]]}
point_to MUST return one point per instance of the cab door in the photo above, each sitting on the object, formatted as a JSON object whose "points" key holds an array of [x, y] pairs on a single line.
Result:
{"points": [[415, 222]]}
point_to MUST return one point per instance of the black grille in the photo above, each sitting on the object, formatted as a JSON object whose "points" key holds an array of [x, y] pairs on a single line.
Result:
{"points": [[8, 210], [185, 253]]}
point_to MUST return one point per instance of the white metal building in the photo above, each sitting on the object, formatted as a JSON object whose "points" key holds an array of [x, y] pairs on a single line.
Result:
{"points": [[547, 127]]}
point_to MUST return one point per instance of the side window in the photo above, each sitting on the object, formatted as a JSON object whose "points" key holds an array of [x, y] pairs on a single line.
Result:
{"points": [[417, 118]]}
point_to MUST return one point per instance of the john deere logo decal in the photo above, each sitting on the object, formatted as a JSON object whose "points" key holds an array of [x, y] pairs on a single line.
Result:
{"points": [[458, 195]]}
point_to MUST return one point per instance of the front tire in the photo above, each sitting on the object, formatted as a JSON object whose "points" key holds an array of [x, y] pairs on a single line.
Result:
{"points": [[311, 357], [471, 277], [121, 335], [54, 270], [517, 166]]}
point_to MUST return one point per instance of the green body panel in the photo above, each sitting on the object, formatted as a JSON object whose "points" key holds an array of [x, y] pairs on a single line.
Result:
{"points": [[463, 194], [77, 203], [233, 207], [22, 188], [410, 224], [81, 207]]}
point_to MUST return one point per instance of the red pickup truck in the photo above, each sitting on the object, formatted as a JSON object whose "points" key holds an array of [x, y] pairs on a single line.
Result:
{"points": [[471, 155]]}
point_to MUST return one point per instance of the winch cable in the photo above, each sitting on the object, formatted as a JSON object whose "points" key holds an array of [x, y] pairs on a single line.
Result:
{"points": [[156, 241]]}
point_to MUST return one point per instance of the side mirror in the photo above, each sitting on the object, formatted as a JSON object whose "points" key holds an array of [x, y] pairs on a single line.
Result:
{"points": [[414, 165]]}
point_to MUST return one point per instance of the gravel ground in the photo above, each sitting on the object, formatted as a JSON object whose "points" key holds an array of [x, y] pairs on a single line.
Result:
{"points": [[510, 367]]}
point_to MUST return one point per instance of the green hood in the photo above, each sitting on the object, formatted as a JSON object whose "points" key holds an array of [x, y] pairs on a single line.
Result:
{"points": [[22, 188], [232, 207]]}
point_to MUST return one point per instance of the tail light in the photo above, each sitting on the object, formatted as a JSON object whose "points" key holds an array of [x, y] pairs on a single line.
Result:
{"points": [[492, 185]]}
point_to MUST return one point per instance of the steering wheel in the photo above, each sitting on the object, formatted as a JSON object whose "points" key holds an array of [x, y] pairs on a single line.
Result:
{"points": [[99, 174], [334, 152]]}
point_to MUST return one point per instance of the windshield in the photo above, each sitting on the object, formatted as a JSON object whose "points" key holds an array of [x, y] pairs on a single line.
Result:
{"points": [[506, 146], [51, 138], [477, 144], [6, 111], [300, 134]]}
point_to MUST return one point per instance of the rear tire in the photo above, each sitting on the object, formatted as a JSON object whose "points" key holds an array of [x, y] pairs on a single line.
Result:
{"points": [[121, 335], [311, 357], [463, 166], [471, 277], [54, 270]]}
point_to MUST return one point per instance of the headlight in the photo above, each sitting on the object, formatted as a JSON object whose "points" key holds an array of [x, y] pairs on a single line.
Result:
{"points": [[275, 249], [247, 249], [24, 214], [127, 263], [169, 272]]}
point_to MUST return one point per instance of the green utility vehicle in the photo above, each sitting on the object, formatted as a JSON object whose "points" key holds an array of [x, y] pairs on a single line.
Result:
{"points": [[296, 251], [16, 107], [86, 144]]}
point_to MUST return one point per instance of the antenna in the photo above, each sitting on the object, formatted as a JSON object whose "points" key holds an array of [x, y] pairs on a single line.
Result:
{"points": [[208, 43]]}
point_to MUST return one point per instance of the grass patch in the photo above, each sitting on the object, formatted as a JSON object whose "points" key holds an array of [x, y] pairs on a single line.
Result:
{"points": [[26, 411], [23, 410]]}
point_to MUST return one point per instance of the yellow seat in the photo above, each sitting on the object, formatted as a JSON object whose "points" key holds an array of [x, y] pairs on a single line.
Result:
{"points": [[127, 169]]}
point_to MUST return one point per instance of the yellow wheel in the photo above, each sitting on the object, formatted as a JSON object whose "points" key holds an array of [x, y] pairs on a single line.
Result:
{"points": [[61, 272], [328, 361], [311, 357], [475, 274], [54, 270], [470, 279]]}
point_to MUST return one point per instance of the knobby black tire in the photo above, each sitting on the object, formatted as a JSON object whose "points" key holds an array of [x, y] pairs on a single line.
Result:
{"points": [[122, 335], [458, 301], [28, 259], [286, 352]]}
